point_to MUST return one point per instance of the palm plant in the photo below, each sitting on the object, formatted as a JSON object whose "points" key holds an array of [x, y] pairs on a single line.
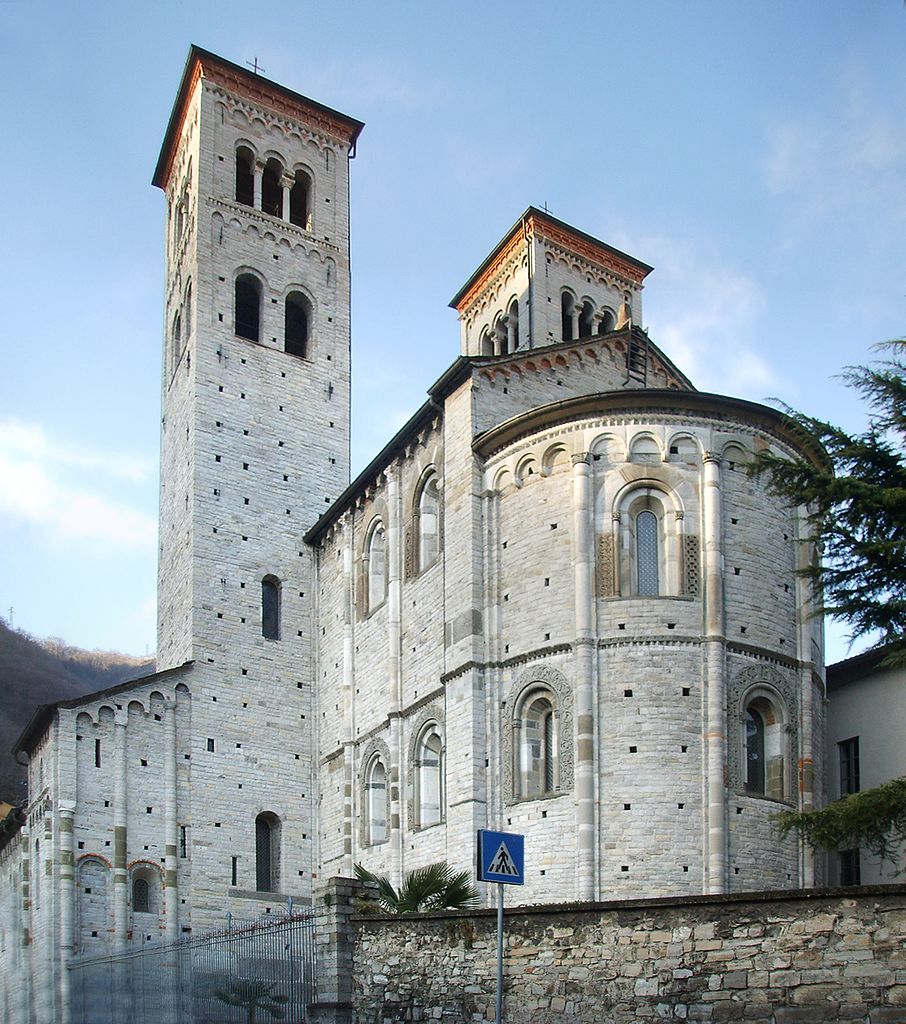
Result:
{"points": [[435, 887], [254, 995]]}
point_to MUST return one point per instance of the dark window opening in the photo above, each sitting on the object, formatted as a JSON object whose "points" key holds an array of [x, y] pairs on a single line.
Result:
{"points": [[248, 307], [141, 896], [850, 868], [270, 608], [271, 189], [97, 753], [298, 201], [296, 324], [608, 322], [586, 321], [566, 316], [849, 766], [245, 177], [266, 831], [754, 752]]}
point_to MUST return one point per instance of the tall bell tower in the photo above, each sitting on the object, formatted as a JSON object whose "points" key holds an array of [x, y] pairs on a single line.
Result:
{"points": [[254, 446]]}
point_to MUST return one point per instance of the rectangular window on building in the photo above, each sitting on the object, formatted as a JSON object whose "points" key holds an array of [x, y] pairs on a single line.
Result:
{"points": [[183, 842], [850, 868], [234, 870], [849, 766]]}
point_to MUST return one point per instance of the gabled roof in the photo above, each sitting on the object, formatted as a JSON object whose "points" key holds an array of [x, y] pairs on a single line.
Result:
{"points": [[858, 667], [537, 222], [261, 91], [43, 714]]}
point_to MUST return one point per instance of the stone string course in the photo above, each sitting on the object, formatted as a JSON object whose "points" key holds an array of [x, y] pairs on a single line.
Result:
{"points": [[784, 958]]}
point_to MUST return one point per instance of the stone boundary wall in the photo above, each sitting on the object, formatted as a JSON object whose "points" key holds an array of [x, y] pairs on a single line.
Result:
{"points": [[780, 957]]}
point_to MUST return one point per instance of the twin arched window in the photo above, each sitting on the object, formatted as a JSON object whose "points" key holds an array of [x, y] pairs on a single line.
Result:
{"points": [[537, 771], [267, 852], [578, 320], [247, 315]]}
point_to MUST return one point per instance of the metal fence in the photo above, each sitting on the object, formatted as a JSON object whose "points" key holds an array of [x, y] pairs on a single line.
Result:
{"points": [[235, 976]]}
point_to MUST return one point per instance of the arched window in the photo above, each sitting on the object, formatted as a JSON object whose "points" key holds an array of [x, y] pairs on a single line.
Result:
{"points": [[376, 573], [586, 320], [187, 309], [376, 800], [428, 522], [566, 316], [501, 346], [429, 776], [299, 201], [248, 307], [177, 338], [608, 321], [271, 189], [764, 745], [296, 324], [537, 746], [141, 896], [486, 344], [648, 556], [270, 608], [245, 176], [513, 315], [267, 852]]}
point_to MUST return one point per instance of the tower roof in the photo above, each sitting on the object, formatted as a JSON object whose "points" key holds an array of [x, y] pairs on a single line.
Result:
{"points": [[537, 222], [203, 64]]}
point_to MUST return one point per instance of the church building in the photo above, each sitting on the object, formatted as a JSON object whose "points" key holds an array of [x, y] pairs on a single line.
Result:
{"points": [[555, 603]]}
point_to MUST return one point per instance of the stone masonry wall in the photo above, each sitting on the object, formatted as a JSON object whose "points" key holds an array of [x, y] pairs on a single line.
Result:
{"points": [[778, 958]]}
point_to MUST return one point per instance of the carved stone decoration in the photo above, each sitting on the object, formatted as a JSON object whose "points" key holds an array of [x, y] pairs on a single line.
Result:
{"points": [[562, 693], [374, 746], [410, 533], [427, 716], [605, 568], [691, 566], [785, 691]]}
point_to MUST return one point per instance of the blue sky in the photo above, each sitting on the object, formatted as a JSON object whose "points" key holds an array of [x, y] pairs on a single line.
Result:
{"points": [[753, 153]]}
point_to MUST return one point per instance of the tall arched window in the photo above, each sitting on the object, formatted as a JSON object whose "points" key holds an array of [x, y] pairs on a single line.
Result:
{"points": [[566, 316], [376, 571], [299, 201], [586, 320], [245, 176], [187, 309], [429, 777], [271, 189], [648, 556], [755, 780], [248, 307], [267, 852], [141, 896], [536, 725], [376, 799], [270, 608], [764, 743], [608, 321], [513, 315], [428, 522], [296, 324]]}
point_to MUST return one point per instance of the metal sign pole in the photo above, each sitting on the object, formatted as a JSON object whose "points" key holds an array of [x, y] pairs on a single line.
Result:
{"points": [[499, 953]]}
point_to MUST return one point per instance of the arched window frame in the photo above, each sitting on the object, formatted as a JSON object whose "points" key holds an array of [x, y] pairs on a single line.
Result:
{"points": [[248, 294], [427, 521], [301, 199], [608, 321], [271, 607], [297, 321], [267, 852], [374, 559], [513, 321], [141, 895], [244, 175], [567, 307], [764, 731], [428, 776], [536, 743], [636, 499], [272, 187], [145, 881], [586, 319], [376, 800]]}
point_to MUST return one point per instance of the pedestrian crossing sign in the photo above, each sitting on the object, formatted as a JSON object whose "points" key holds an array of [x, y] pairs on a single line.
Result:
{"points": [[501, 857]]}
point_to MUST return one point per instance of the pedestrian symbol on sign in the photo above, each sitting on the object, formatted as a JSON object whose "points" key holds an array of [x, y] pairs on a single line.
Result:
{"points": [[502, 864]]}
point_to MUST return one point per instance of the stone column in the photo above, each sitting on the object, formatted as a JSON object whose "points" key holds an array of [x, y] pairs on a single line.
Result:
{"points": [[584, 572], [258, 177], [120, 798], [510, 334], [715, 676], [171, 839], [286, 183], [67, 904], [806, 755], [574, 323], [394, 626]]}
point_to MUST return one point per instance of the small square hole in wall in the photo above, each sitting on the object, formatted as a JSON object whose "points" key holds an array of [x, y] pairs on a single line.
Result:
{"points": [[81, 845], [627, 807], [144, 762], [148, 810], [685, 867], [245, 671], [624, 867], [739, 810], [216, 824], [683, 749], [735, 871], [504, 544], [106, 803], [680, 806], [547, 581], [554, 526], [627, 693], [210, 744], [245, 501], [543, 871], [547, 636], [742, 630], [736, 570], [735, 522], [544, 814], [220, 318], [633, 750], [686, 691], [621, 625], [671, 625]]}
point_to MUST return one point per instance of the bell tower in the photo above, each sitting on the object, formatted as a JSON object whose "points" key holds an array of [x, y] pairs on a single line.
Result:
{"points": [[254, 447]]}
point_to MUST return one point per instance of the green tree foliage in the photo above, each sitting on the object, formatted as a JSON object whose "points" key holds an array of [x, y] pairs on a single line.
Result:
{"points": [[435, 887], [856, 501], [254, 995], [873, 820], [857, 505]]}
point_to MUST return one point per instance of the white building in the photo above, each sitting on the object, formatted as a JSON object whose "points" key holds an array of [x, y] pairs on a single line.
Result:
{"points": [[554, 603]]}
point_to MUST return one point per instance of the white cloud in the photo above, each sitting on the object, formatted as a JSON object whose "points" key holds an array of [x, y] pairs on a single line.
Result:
{"points": [[704, 315], [60, 489]]}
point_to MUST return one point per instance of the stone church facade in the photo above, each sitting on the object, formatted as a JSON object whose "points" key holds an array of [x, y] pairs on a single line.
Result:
{"points": [[555, 603]]}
